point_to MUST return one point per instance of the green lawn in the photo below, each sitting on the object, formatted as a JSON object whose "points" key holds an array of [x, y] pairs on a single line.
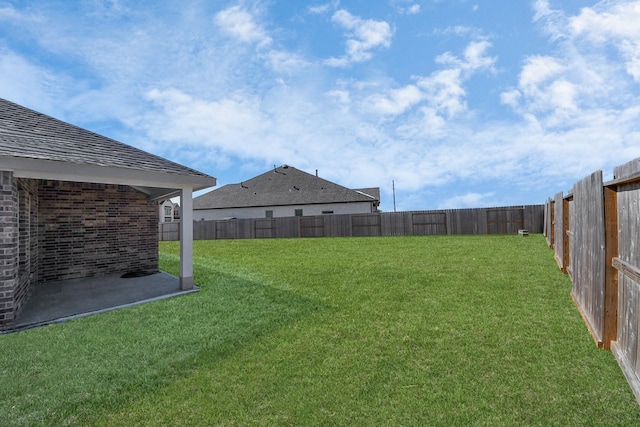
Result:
{"points": [[463, 330]]}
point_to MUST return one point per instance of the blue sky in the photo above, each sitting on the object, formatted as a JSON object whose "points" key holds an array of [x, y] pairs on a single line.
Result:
{"points": [[461, 103]]}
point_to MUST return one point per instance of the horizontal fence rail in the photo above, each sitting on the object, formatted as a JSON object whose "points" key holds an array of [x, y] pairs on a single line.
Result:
{"points": [[594, 232], [502, 220]]}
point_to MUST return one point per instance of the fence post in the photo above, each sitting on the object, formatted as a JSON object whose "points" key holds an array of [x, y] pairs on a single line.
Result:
{"points": [[552, 208], [559, 231], [610, 325], [566, 231]]}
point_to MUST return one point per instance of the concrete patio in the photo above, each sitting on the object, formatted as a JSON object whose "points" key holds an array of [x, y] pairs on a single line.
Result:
{"points": [[57, 302]]}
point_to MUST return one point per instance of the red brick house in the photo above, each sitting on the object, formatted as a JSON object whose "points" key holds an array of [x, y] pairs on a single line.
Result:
{"points": [[74, 204]]}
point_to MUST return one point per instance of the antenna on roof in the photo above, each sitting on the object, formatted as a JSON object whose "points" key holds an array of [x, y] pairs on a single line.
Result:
{"points": [[242, 185], [393, 183]]}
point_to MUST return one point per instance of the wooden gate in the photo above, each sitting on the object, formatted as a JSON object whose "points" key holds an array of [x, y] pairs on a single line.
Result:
{"points": [[312, 226], [366, 225], [264, 228], [505, 221], [426, 223]]}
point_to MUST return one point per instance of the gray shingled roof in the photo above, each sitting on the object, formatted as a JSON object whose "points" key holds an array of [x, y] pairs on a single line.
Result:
{"points": [[281, 186], [25, 133]]}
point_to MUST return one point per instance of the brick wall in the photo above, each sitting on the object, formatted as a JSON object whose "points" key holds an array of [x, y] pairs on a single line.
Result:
{"points": [[27, 241], [94, 229], [8, 246]]}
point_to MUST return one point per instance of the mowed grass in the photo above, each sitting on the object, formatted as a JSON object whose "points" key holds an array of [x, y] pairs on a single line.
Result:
{"points": [[463, 330]]}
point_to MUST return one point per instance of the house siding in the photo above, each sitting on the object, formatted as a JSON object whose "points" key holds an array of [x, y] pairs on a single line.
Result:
{"points": [[283, 211], [90, 230]]}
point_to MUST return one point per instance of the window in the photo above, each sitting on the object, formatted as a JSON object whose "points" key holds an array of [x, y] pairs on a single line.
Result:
{"points": [[298, 212], [327, 212], [268, 214], [168, 214]]}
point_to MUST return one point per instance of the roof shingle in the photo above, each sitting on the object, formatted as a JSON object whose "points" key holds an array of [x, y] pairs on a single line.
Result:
{"points": [[25, 133], [281, 186]]}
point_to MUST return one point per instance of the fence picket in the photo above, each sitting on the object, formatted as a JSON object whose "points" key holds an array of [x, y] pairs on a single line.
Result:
{"points": [[601, 221], [503, 220]]}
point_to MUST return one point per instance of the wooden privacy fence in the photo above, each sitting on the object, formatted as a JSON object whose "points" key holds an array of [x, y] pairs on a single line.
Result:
{"points": [[169, 230], [595, 234], [503, 220]]}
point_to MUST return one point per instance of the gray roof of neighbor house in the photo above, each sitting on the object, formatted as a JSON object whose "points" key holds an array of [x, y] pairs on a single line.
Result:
{"points": [[28, 136], [282, 186]]}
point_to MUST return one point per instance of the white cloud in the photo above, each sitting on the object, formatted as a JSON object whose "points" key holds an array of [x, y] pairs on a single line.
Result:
{"points": [[537, 70], [406, 7], [9, 13], [577, 103], [26, 83], [239, 23], [618, 26], [440, 93], [473, 57], [511, 97], [202, 94], [183, 118], [397, 101], [342, 97], [282, 61], [584, 78], [562, 95], [363, 36], [553, 21], [444, 91], [621, 21], [459, 31], [413, 9], [324, 8], [542, 9], [550, 91]]}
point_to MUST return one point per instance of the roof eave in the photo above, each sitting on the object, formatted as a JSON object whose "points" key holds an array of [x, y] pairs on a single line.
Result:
{"points": [[80, 172]]}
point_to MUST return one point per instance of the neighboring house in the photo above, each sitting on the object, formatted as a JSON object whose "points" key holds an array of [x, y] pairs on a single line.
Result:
{"points": [[281, 192], [169, 211], [74, 204]]}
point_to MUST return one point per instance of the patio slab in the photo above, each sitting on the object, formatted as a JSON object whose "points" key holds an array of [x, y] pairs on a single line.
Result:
{"points": [[56, 302]]}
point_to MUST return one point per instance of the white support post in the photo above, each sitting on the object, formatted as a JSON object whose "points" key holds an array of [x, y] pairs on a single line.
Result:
{"points": [[186, 239]]}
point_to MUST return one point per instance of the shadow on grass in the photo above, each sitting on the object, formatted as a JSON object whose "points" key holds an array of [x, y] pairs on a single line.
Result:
{"points": [[79, 371]]}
